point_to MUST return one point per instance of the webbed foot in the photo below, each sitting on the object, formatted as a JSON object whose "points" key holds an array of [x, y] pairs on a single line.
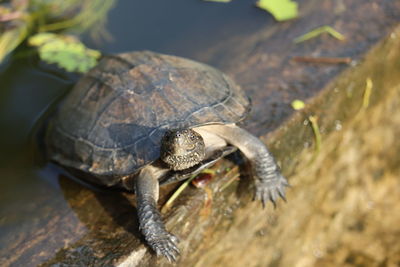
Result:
{"points": [[165, 244], [271, 188]]}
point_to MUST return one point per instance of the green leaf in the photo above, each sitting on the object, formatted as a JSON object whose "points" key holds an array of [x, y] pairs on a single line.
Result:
{"points": [[65, 51], [281, 9]]}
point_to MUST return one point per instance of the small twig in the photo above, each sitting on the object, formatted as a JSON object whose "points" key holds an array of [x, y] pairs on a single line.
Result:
{"points": [[59, 25], [365, 98], [175, 195], [316, 131], [367, 93], [323, 60], [11, 16], [229, 182], [179, 191], [209, 171], [314, 33]]}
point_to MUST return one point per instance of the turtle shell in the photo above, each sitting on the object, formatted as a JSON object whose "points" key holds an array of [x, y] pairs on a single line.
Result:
{"points": [[111, 123]]}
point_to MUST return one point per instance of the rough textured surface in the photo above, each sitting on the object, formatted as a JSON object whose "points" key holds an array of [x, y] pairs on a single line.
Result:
{"points": [[343, 206]]}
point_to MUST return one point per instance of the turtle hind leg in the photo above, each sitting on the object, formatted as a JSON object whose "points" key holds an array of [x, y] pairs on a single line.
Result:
{"points": [[150, 220]]}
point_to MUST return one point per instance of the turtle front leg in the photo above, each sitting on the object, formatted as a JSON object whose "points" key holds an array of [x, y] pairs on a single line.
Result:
{"points": [[269, 182], [150, 220]]}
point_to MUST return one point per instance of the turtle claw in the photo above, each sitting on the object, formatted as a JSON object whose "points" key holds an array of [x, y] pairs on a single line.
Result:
{"points": [[282, 192], [166, 245], [271, 189]]}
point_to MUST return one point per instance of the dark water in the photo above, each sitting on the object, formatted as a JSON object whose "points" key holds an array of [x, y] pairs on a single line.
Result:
{"points": [[180, 27]]}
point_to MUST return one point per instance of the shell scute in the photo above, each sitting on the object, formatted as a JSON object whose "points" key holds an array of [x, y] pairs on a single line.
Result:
{"points": [[111, 123]]}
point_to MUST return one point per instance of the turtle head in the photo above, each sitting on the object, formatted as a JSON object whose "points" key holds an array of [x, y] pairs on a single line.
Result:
{"points": [[182, 149]]}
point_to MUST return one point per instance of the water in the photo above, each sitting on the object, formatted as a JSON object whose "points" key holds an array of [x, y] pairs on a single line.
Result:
{"points": [[30, 197], [179, 27]]}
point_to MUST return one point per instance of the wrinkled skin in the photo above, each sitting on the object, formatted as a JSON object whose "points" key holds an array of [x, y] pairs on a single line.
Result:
{"points": [[182, 149]]}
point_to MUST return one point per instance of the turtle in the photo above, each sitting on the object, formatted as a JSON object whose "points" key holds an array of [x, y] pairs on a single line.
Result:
{"points": [[142, 119]]}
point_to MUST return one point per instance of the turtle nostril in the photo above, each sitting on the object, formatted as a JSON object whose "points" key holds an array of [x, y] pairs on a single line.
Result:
{"points": [[190, 147]]}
